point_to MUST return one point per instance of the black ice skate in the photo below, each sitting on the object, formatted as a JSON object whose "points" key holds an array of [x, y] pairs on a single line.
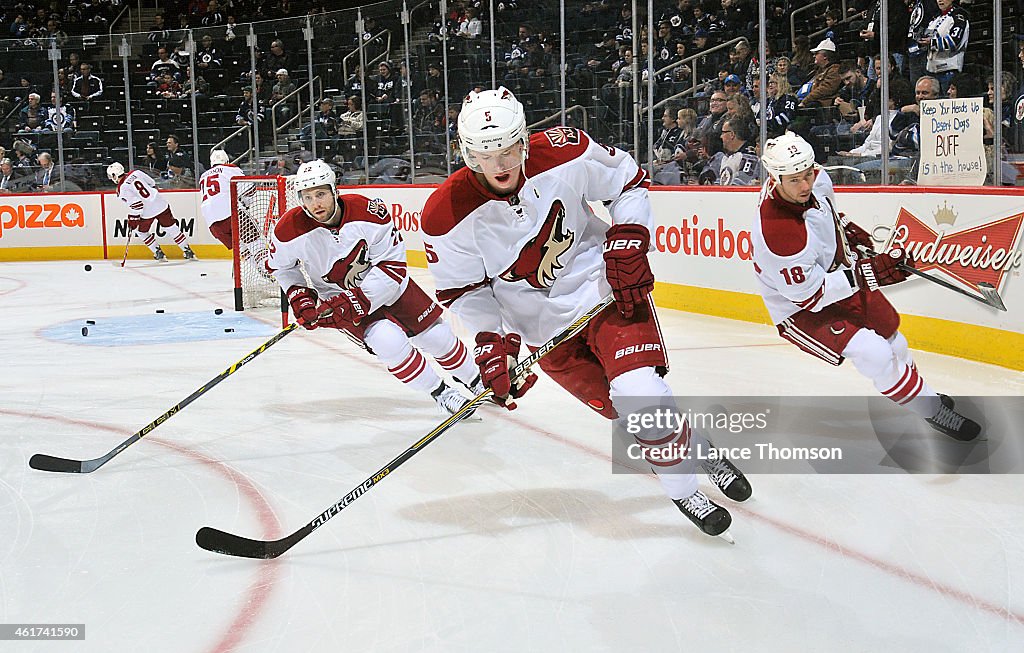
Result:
{"points": [[158, 254], [708, 516], [727, 478], [189, 254], [949, 422]]}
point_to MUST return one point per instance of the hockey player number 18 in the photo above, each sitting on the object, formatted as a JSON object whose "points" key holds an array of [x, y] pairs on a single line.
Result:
{"points": [[793, 275]]}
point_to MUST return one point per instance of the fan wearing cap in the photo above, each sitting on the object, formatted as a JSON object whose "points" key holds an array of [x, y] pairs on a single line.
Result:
{"points": [[820, 282], [517, 252], [827, 79], [341, 262]]}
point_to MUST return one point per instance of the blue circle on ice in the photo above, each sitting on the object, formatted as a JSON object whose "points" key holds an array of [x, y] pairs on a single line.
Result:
{"points": [[159, 328]]}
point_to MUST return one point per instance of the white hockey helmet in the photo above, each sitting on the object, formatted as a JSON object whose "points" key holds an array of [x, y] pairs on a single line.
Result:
{"points": [[311, 175], [787, 155], [115, 171], [491, 121], [218, 157]]}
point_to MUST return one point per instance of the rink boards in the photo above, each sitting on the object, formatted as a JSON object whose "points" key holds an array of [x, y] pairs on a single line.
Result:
{"points": [[702, 260]]}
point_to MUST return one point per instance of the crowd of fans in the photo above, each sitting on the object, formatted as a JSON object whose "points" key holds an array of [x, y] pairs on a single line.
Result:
{"points": [[706, 97]]}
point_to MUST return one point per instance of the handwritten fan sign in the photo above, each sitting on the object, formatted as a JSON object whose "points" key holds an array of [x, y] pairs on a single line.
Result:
{"points": [[952, 152]]}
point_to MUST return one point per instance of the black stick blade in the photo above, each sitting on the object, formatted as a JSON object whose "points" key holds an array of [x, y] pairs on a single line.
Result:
{"points": [[45, 463], [218, 541]]}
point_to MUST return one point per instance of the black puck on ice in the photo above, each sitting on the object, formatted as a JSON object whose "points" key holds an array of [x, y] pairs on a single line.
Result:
{"points": [[228, 330], [218, 311], [90, 321], [88, 267], [202, 274], [85, 331], [159, 310]]}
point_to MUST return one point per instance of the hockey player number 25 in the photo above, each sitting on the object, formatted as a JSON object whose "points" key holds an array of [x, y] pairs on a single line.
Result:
{"points": [[210, 188], [793, 275]]}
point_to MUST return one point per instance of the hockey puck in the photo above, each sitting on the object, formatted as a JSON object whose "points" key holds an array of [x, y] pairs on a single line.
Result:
{"points": [[159, 310], [229, 330], [218, 311], [88, 268], [85, 331], [90, 321], [202, 274]]}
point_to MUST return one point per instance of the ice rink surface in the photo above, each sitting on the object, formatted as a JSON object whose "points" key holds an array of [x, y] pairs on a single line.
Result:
{"points": [[510, 534]]}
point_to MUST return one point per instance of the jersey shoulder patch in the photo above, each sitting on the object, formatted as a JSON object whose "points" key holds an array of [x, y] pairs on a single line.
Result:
{"points": [[783, 227], [456, 198], [554, 147], [359, 208], [293, 224]]}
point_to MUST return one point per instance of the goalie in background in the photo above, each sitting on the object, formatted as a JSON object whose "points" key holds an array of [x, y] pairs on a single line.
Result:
{"points": [[215, 186], [146, 205], [823, 295], [354, 257]]}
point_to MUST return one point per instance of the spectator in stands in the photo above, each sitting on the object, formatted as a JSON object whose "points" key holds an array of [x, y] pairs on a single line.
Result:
{"points": [[665, 145], [277, 58], [740, 59], [19, 28], [732, 85], [824, 86], [792, 75], [284, 87], [208, 59], [32, 117], [802, 58], [26, 87], [74, 65], [159, 33], [781, 107], [201, 89], [153, 163], [24, 155], [8, 176], [179, 173], [46, 175], [244, 115], [686, 119], [86, 86], [324, 125], [738, 109], [709, 129], [966, 86], [428, 122], [213, 16], [167, 87], [853, 94], [385, 91], [900, 94], [921, 16], [357, 81], [350, 123], [174, 149], [905, 129], [279, 167], [899, 23], [60, 118], [231, 30], [163, 65], [946, 37], [738, 163], [471, 26]]}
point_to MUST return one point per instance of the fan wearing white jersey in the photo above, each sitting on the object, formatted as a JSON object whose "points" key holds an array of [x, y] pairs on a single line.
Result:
{"points": [[820, 282], [146, 205], [518, 254], [358, 282], [216, 208]]}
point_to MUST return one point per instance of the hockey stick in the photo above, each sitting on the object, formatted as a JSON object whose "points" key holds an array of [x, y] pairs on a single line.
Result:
{"points": [[219, 541], [124, 259], [47, 463], [988, 296]]}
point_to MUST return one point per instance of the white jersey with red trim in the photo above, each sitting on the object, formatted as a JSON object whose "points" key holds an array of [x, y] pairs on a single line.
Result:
{"points": [[139, 192], [365, 251], [532, 263], [801, 258], [215, 185]]}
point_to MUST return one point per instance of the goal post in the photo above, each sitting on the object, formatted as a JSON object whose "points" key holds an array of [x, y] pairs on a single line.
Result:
{"points": [[257, 203]]}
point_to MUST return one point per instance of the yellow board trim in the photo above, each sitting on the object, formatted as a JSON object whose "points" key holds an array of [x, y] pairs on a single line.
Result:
{"points": [[70, 253]]}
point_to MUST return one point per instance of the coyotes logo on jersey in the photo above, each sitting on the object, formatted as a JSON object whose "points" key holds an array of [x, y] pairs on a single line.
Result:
{"points": [[562, 136], [538, 262], [348, 272]]}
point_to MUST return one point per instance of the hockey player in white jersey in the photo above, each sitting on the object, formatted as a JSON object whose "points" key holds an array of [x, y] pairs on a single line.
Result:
{"points": [[146, 205], [518, 255], [820, 283], [215, 185], [355, 260]]}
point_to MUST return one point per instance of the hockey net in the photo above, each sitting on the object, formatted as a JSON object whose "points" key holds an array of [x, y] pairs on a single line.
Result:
{"points": [[257, 203]]}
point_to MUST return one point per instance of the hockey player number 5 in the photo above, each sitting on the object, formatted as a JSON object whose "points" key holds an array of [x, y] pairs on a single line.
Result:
{"points": [[793, 275]]}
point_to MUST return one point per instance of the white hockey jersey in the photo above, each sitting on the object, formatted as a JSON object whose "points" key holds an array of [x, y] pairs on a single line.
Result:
{"points": [[801, 257], [215, 185], [139, 192], [364, 251], [532, 263]]}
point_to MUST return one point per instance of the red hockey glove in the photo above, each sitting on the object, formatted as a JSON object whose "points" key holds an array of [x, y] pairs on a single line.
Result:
{"points": [[349, 309], [626, 266], [495, 356], [856, 236], [882, 269], [303, 301]]}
